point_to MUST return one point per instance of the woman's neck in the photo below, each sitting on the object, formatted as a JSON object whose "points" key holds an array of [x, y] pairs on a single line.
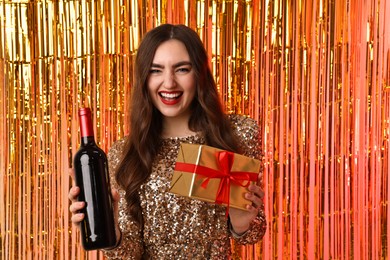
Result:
{"points": [[176, 127]]}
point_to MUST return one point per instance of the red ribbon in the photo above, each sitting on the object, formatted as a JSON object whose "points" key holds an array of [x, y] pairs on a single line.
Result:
{"points": [[225, 161]]}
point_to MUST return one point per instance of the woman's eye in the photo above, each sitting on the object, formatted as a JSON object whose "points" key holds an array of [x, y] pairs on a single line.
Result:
{"points": [[183, 69], [154, 71]]}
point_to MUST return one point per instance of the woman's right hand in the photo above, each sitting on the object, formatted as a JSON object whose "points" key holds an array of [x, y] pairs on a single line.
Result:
{"points": [[76, 206]]}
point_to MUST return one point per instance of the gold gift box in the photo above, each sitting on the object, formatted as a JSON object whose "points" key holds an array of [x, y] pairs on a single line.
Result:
{"points": [[189, 182]]}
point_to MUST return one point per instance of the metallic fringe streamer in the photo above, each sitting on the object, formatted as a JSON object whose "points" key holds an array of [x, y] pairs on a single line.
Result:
{"points": [[315, 74]]}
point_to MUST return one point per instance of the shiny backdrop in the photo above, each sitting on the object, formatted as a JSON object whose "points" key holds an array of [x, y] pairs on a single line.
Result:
{"points": [[315, 74]]}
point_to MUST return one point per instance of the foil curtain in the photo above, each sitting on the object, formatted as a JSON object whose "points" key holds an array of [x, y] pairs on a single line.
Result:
{"points": [[315, 74]]}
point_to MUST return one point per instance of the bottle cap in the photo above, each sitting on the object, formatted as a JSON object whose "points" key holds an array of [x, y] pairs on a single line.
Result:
{"points": [[84, 111], [86, 128]]}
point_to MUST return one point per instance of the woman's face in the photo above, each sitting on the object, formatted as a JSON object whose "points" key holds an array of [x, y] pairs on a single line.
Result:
{"points": [[171, 80]]}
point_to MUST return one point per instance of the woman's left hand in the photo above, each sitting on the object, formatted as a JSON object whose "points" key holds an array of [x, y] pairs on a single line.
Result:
{"points": [[241, 219]]}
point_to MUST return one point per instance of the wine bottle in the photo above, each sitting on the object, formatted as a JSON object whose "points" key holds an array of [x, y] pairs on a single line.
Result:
{"points": [[92, 177]]}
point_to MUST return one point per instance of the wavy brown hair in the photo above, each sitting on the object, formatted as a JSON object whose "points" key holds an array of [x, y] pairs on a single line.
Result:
{"points": [[144, 140]]}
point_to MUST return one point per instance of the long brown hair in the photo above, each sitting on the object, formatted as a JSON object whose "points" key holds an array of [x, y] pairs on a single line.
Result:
{"points": [[146, 121]]}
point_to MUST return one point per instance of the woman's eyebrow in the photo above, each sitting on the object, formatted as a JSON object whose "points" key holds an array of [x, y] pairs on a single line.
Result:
{"points": [[155, 65], [182, 63], [179, 64]]}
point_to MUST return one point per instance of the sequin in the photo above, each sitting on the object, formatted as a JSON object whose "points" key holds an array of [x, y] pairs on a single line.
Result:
{"points": [[177, 227]]}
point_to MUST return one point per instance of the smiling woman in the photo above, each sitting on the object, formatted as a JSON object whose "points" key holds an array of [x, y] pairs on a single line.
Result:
{"points": [[175, 100], [172, 85], [314, 74]]}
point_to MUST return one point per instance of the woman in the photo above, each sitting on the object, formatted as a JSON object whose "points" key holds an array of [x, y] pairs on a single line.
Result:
{"points": [[175, 100]]}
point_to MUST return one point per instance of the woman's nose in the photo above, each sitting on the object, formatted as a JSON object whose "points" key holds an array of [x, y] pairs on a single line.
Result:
{"points": [[169, 80]]}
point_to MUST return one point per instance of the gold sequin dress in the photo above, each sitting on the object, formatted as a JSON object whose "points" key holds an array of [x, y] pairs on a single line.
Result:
{"points": [[177, 227]]}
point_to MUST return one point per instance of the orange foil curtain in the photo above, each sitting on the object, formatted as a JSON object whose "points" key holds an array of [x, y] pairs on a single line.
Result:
{"points": [[315, 74]]}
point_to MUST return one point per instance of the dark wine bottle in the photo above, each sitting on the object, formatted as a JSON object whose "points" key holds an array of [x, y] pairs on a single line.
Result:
{"points": [[91, 172]]}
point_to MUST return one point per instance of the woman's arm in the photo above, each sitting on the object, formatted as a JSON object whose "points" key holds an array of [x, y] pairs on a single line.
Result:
{"points": [[131, 243], [248, 227]]}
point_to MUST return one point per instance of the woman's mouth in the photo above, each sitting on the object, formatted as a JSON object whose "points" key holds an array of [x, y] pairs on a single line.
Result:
{"points": [[170, 98]]}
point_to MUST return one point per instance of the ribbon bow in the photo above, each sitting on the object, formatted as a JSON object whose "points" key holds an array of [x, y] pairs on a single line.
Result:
{"points": [[225, 161]]}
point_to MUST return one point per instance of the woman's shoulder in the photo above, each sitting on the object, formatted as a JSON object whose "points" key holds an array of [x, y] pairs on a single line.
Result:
{"points": [[117, 147], [114, 157], [247, 131], [243, 122], [115, 153]]}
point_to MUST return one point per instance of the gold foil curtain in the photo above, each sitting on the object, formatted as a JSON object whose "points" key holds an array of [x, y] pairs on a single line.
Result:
{"points": [[315, 74]]}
